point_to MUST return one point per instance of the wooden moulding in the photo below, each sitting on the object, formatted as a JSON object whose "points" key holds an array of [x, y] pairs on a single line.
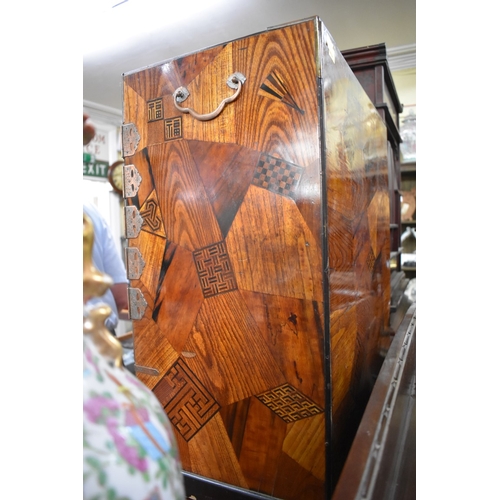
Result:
{"points": [[371, 67]]}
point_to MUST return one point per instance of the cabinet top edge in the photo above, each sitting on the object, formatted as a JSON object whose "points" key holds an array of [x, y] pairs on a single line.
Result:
{"points": [[315, 19]]}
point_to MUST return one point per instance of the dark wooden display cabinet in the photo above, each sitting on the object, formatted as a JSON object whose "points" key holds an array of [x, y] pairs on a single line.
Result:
{"points": [[371, 68], [382, 460], [409, 214]]}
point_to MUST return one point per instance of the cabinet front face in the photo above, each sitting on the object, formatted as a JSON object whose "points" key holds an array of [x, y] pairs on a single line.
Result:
{"points": [[231, 286]]}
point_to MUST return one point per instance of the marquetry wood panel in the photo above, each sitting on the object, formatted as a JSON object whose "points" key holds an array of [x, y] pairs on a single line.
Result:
{"points": [[265, 240]]}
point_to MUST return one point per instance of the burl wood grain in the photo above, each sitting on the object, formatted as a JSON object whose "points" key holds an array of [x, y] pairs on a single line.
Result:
{"points": [[265, 241]]}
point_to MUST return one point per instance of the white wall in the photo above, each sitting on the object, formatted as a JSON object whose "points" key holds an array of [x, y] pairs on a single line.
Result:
{"points": [[405, 81]]}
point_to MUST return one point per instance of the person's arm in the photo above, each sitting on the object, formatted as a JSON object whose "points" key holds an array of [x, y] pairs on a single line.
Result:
{"points": [[120, 294], [107, 258]]}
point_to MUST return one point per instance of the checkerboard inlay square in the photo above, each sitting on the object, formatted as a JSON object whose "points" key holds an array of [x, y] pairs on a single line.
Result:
{"points": [[277, 175]]}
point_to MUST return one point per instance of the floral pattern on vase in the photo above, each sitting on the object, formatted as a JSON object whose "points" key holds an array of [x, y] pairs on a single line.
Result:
{"points": [[129, 448]]}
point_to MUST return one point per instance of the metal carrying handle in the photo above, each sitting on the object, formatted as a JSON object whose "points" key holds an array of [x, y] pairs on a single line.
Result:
{"points": [[235, 81]]}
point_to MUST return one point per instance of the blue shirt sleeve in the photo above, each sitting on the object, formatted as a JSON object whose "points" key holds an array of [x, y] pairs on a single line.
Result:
{"points": [[106, 258]]}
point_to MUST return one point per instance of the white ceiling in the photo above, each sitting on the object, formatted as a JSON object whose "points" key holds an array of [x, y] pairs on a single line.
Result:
{"points": [[138, 33]]}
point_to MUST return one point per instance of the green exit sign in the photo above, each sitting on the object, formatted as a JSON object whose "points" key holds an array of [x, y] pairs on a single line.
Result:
{"points": [[93, 167]]}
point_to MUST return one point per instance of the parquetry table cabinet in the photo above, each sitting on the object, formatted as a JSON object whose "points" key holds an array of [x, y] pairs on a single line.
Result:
{"points": [[257, 220]]}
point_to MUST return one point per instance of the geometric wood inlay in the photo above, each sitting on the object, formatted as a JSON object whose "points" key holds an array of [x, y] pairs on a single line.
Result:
{"points": [[289, 404], [187, 402], [155, 110], [214, 269], [275, 88], [173, 128], [277, 175], [150, 216]]}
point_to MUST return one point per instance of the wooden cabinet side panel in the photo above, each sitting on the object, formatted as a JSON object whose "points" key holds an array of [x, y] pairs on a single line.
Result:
{"points": [[358, 240]]}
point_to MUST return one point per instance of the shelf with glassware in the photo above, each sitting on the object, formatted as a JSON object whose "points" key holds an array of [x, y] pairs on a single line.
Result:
{"points": [[409, 219]]}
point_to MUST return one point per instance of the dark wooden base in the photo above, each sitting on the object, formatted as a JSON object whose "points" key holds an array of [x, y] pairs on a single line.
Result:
{"points": [[382, 461]]}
